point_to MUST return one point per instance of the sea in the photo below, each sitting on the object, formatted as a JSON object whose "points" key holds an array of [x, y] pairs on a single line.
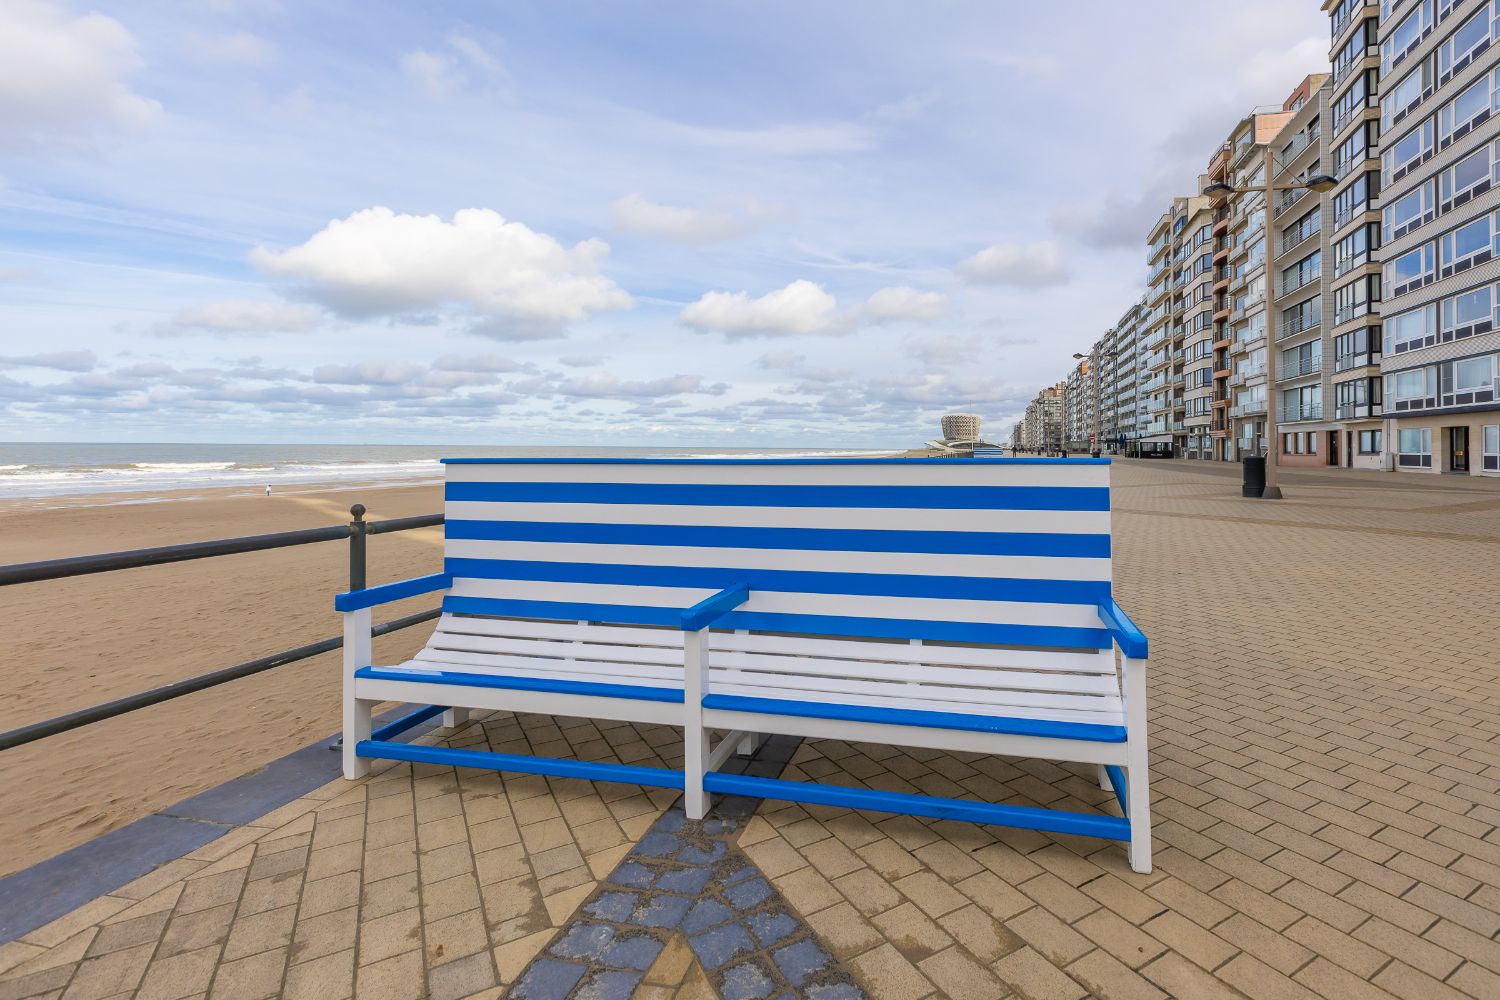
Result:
{"points": [[37, 470]]}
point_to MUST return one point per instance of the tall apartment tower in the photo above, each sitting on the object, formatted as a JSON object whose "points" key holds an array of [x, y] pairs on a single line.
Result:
{"points": [[1353, 233], [1440, 164]]}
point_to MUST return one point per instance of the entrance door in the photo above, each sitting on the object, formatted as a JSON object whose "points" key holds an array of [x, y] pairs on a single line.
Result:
{"points": [[1333, 448], [1458, 449]]}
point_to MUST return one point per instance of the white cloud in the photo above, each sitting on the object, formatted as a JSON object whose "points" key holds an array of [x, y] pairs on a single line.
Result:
{"points": [[901, 303], [62, 78], [607, 386], [480, 363], [516, 283], [950, 349], [67, 361], [634, 213], [1025, 264], [464, 66], [369, 373], [802, 307], [241, 316]]}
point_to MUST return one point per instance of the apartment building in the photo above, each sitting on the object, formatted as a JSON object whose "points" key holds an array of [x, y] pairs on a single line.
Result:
{"points": [[1041, 429], [1353, 244], [1439, 68], [1081, 404]]}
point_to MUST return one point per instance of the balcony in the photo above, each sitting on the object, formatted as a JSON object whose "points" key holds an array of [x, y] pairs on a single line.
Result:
{"points": [[1289, 199], [1298, 324], [1292, 414], [1247, 409], [1303, 368], [1358, 411], [1349, 362]]}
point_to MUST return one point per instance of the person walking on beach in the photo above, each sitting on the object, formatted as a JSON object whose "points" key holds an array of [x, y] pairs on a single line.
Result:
{"points": [[268, 489]]}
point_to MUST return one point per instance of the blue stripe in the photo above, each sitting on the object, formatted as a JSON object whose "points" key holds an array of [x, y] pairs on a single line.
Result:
{"points": [[869, 628], [1117, 785], [484, 760], [717, 495], [549, 686], [983, 543], [1132, 640], [964, 588], [1020, 817], [1088, 731], [404, 723], [776, 461], [709, 610], [354, 600]]}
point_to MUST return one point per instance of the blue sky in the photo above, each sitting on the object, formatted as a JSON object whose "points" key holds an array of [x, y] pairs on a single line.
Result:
{"points": [[737, 224]]}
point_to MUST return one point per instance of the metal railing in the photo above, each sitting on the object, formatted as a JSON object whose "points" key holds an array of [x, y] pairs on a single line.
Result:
{"points": [[356, 531]]}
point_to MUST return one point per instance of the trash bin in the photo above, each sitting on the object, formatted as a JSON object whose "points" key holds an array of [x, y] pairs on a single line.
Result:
{"points": [[1255, 476]]}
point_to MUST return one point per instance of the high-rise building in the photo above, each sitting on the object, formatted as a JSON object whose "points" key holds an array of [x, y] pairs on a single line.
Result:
{"points": [[1440, 163]]}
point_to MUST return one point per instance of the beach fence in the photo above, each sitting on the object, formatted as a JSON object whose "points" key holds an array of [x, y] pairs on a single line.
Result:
{"points": [[357, 532]]}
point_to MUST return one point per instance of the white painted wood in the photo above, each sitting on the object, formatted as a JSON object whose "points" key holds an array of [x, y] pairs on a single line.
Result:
{"points": [[919, 736], [455, 717], [888, 474], [1104, 779], [694, 735], [1066, 522], [773, 602], [910, 563], [749, 743], [1137, 766], [358, 645], [724, 749], [541, 703]]}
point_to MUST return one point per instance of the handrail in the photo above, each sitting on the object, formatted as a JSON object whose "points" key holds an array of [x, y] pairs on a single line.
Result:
{"points": [[55, 569]]}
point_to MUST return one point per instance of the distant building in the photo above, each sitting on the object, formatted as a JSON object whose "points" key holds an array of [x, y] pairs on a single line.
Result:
{"points": [[961, 427]]}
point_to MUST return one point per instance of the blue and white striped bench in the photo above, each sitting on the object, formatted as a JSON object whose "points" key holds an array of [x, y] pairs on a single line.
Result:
{"points": [[950, 604]]}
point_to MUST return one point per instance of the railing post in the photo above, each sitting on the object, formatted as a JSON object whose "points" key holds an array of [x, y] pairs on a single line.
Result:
{"points": [[358, 530]]}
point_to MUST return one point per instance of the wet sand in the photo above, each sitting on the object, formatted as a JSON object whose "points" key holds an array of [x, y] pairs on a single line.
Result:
{"points": [[82, 641]]}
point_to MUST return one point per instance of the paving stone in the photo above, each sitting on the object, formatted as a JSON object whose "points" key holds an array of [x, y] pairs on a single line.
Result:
{"points": [[718, 945], [329, 977]]}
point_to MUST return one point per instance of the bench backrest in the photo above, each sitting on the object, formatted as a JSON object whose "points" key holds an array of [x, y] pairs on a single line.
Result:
{"points": [[1005, 551]]}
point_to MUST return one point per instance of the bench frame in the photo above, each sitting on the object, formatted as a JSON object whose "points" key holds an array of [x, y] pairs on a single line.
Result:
{"points": [[1122, 766]]}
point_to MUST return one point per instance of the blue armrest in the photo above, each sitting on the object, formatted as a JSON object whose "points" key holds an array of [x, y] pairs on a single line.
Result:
{"points": [[355, 600], [1132, 640], [711, 609]]}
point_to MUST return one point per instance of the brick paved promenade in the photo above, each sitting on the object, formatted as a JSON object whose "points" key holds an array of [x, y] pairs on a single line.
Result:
{"points": [[1325, 682]]}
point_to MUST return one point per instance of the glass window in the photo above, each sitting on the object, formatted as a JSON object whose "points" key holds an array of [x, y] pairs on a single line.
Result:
{"points": [[1467, 106], [1473, 373], [1410, 384], [1411, 269], [1407, 34], [1465, 41], [1466, 241], [1406, 94], [1410, 210], [1407, 150], [1491, 447], [1466, 174], [1369, 442], [1415, 441], [1467, 308]]}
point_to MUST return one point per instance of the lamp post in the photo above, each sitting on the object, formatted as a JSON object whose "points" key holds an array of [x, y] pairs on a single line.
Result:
{"points": [[1318, 183]]}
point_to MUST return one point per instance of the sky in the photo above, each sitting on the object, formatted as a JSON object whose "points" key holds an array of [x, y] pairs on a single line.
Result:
{"points": [[737, 224]]}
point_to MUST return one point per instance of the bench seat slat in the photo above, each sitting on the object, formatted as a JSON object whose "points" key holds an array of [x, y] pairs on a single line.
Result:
{"points": [[871, 668], [1057, 728]]}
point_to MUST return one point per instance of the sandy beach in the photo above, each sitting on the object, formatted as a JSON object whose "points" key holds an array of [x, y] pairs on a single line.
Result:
{"points": [[82, 641]]}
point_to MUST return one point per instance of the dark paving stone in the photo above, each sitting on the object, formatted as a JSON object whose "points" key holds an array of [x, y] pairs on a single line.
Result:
{"points": [[708, 913], [799, 962], [694, 854], [685, 880], [717, 946], [739, 875], [834, 991], [632, 874], [749, 894], [773, 927], [633, 953], [547, 979], [613, 906], [747, 981], [658, 845], [583, 941], [662, 911], [609, 985]]}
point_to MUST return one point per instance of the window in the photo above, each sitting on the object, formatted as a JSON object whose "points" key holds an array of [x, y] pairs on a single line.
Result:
{"points": [[1356, 348], [1358, 147], [1468, 109], [1490, 452], [1398, 101], [1411, 211], [1411, 270], [1412, 29], [1355, 197], [1465, 179], [1410, 384], [1466, 314], [1300, 273], [1357, 399], [1412, 330], [1369, 442], [1466, 246], [1473, 373], [1301, 230], [1414, 447], [1302, 316], [1413, 148], [1354, 249], [1354, 49], [1305, 403], [1354, 299], [1361, 94], [1471, 38], [1304, 359]]}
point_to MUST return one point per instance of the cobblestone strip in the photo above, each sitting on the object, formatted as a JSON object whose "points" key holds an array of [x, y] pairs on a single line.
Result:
{"points": [[689, 878]]}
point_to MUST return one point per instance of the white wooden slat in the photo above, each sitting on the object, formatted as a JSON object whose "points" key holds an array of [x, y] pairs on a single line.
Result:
{"points": [[1020, 680], [837, 605], [958, 707], [888, 474], [1102, 662], [1102, 711], [899, 563], [1067, 522]]}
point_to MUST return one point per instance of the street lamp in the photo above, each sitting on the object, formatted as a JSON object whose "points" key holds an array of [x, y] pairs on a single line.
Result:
{"points": [[1318, 183]]}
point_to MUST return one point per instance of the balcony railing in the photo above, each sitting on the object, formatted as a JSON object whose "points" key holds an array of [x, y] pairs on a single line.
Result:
{"points": [[1346, 362], [1358, 411], [1300, 323], [1292, 414], [1302, 368], [1291, 283], [1245, 409]]}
